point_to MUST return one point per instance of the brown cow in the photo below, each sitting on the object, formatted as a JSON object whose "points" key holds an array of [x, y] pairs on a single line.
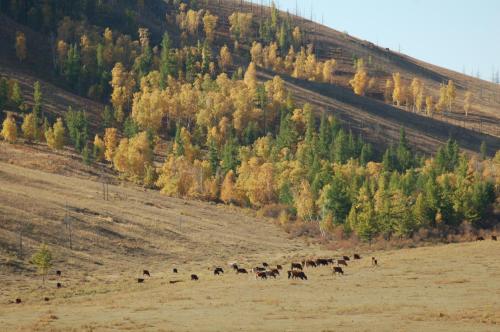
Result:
{"points": [[146, 273], [494, 237], [341, 262], [58, 273], [480, 238], [174, 270], [296, 266], [18, 300], [321, 261], [59, 285], [262, 275], [356, 256], [46, 299], [298, 275], [310, 263], [234, 266], [194, 277], [338, 269], [265, 264], [346, 258], [279, 267], [273, 273], [241, 270]]}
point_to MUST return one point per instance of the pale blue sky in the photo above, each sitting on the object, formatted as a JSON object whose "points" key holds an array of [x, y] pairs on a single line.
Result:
{"points": [[455, 34]]}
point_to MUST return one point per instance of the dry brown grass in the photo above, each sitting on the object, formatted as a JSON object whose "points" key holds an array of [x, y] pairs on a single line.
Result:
{"points": [[444, 287]]}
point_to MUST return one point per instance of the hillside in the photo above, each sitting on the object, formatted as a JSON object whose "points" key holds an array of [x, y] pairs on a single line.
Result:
{"points": [[366, 116], [114, 240]]}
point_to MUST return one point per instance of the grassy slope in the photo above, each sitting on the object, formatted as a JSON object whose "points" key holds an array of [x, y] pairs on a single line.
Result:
{"points": [[440, 288]]}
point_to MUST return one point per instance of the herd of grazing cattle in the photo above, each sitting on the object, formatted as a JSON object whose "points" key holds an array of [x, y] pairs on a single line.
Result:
{"points": [[267, 271]]}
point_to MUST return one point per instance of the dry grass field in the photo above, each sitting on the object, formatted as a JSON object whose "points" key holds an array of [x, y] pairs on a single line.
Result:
{"points": [[452, 287]]}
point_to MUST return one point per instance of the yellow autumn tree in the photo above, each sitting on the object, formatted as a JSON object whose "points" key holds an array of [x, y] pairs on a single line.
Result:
{"points": [[110, 142], [55, 135], [360, 81], [209, 25], [398, 91], [150, 105], [99, 148], [133, 156], [9, 129], [228, 190], [240, 25], [441, 104], [416, 88], [257, 54], [328, 68], [304, 201], [21, 52], [122, 83], [225, 58], [429, 105], [30, 127], [192, 22], [467, 102], [250, 77]]}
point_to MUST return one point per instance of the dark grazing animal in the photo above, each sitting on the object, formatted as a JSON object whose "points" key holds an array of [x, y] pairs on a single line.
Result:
{"points": [[321, 261], [330, 261], [218, 271], [337, 269], [494, 237], [140, 280], [18, 300], [270, 274], [480, 238], [241, 270], [146, 273], [356, 256], [341, 262], [234, 266], [265, 264], [310, 264], [174, 270], [296, 266], [297, 275], [279, 267], [46, 299], [194, 277], [374, 261], [293, 274], [262, 275], [346, 258], [59, 285], [258, 269], [58, 273]]}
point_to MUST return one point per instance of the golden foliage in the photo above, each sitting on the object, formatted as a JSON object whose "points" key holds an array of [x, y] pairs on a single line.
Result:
{"points": [[132, 156], [225, 58], [467, 102], [9, 129], [240, 25], [110, 142], [122, 83], [99, 148], [209, 25], [360, 81], [30, 127]]}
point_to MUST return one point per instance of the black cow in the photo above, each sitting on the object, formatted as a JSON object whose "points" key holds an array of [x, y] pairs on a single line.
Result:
{"points": [[480, 238], [146, 273], [494, 237], [356, 256], [218, 271], [296, 266], [241, 270], [337, 269], [140, 280], [346, 258], [279, 267], [174, 270], [59, 285], [58, 273], [341, 262], [194, 277]]}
